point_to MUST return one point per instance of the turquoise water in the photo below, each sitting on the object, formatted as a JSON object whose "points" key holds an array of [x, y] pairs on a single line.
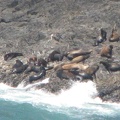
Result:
{"points": [[78, 103], [14, 111], [24, 111]]}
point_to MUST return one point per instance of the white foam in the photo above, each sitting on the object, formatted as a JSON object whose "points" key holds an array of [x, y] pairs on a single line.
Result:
{"points": [[32, 85], [80, 95]]}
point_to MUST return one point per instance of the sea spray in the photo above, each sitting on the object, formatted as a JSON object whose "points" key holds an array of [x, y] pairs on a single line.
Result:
{"points": [[79, 93], [77, 103], [32, 85]]}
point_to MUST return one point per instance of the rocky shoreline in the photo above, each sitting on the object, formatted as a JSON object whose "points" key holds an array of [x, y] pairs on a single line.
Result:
{"points": [[26, 27]]}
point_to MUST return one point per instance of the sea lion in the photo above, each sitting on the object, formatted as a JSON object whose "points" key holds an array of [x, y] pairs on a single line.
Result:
{"points": [[29, 69], [11, 55], [84, 76], [59, 57], [73, 73], [114, 37], [80, 59], [98, 41], [69, 66], [80, 75], [75, 51], [55, 56], [42, 62], [104, 34], [17, 64], [63, 74], [32, 60], [58, 66], [101, 38], [41, 75], [66, 74], [20, 69], [111, 66], [51, 55], [106, 51], [91, 70], [71, 55]]}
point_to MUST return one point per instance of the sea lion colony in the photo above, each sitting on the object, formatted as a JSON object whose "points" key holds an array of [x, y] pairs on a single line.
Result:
{"points": [[74, 67]]}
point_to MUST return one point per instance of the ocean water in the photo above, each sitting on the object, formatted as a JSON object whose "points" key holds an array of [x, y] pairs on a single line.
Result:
{"points": [[80, 102]]}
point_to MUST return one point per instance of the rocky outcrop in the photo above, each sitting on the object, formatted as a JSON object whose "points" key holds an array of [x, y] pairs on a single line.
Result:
{"points": [[26, 27]]}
